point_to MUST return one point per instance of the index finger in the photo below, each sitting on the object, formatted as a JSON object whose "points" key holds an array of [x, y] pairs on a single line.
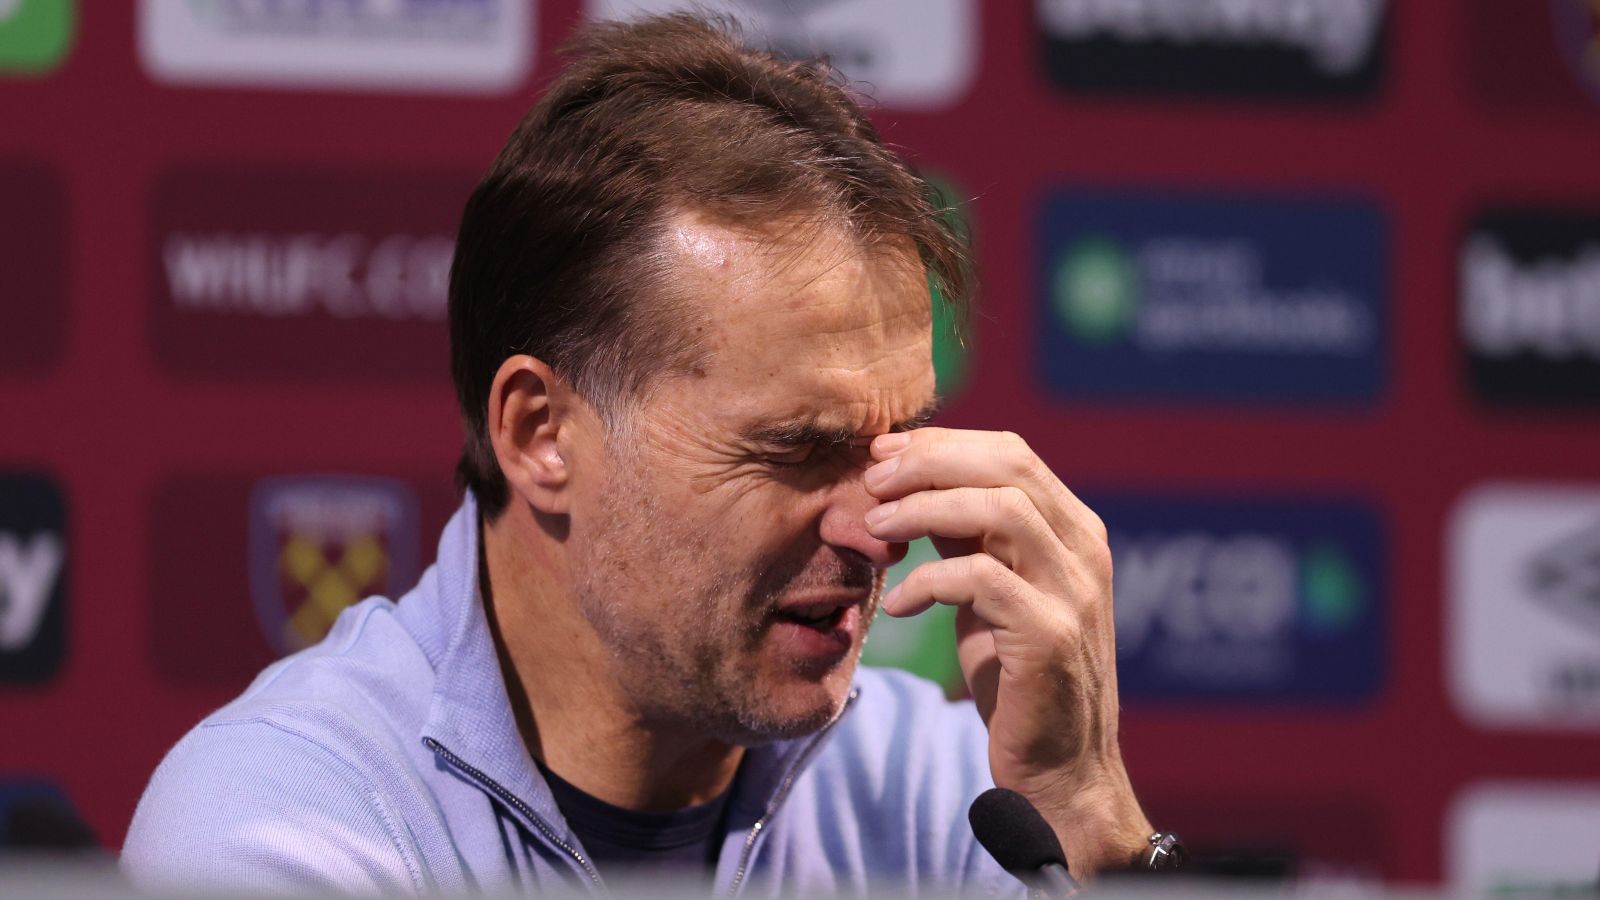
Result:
{"points": [[943, 458]]}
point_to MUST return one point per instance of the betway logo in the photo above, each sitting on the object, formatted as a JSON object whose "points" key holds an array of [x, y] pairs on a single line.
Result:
{"points": [[28, 573], [1551, 307], [1337, 35], [347, 276], [1204, 589]]}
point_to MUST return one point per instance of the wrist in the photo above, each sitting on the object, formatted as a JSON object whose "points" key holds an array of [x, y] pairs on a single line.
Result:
{"points": [[1101, 827], [1092, 850]]}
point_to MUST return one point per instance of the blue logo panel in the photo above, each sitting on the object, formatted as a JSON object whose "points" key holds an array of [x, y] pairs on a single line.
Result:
{"points": [[1204, 298], [1250, 600]]}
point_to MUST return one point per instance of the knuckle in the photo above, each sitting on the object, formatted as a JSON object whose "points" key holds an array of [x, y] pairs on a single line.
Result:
{"points": [[984, 568], [996, 579], [1069, 631], [952, 503], [1019, 458], [1029, 467], [1096, 527], [1100, 561], [1011, 501]]}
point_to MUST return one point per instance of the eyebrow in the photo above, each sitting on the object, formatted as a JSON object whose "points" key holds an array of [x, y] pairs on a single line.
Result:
{"points": [[808, 430]]}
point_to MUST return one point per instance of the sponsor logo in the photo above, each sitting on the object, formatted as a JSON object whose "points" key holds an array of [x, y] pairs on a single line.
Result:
{"points": [[1524, 582], [33, 254], [312, 274], [1206, 299], [924, 644], [465, 46], [33, 563], [1246, 600], [1577, 26], [35, 34], [1530, 307], [910, 54], [1511, 839], [1261, 48], [247, 568], [320, 544]]}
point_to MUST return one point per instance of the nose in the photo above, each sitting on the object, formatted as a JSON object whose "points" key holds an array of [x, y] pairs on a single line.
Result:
{"points": [[844, 523]]}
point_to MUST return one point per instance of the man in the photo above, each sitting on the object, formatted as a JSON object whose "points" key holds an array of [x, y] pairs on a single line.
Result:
{"points": [[690, 326]]}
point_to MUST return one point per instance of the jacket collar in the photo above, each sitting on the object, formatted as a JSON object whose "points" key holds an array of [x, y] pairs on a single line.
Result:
{"points": [[470, 712]]}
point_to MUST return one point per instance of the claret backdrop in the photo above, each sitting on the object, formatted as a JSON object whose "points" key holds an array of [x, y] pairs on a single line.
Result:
{"points": [[1302, 295]]}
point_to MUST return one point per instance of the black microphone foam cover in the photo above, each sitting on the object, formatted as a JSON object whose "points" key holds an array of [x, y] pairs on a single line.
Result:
{"points": [[1013, 832]]}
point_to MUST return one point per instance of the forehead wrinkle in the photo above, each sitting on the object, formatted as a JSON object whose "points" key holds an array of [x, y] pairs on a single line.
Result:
{"points": [[819, 426], [842, 328]]}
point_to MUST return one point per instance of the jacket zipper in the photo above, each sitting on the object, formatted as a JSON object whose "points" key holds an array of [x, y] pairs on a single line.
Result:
{"points": [[778, 798], [495, 788]]}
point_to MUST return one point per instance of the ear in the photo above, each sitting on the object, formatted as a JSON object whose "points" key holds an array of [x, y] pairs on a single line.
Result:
{"points": [[529, 406]]}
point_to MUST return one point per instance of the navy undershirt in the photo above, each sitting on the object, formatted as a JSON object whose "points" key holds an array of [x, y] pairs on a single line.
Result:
{"points": [[683, 840]]}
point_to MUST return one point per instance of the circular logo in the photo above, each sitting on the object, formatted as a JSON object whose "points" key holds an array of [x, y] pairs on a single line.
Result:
{"points": [[1096, 290], [1331, 590]]}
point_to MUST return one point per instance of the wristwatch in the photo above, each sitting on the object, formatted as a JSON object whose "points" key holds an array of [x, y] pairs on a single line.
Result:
{"points": [[1167, 853]]}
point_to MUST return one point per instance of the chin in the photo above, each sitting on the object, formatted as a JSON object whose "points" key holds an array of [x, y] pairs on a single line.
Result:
{"points": [[795, 704]]}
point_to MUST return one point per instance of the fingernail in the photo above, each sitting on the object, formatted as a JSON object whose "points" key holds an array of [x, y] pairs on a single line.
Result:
{"points": [[893, 442], [889, 598], [879, 473], [877, 514]]}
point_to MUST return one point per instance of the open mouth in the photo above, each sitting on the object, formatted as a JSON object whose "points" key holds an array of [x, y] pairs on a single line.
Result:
{"points": [[822, 619]]}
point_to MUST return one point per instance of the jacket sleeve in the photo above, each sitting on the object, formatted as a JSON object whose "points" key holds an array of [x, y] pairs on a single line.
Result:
{"points": [[250, 806]]}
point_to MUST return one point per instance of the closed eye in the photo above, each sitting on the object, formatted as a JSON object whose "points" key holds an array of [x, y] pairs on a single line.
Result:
{"points": [[794, 456], [816, 452]]}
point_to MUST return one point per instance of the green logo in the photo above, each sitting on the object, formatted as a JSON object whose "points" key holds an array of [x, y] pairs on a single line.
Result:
{"points": [[1331, 590], [1096, 290], [950, 348], [34, 34], [924, 644]]}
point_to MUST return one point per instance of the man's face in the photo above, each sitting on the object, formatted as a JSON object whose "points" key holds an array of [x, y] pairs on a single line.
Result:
{"points": [[718, 543]]}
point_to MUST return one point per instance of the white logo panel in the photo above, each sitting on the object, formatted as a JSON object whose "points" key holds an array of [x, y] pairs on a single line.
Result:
{"points": [[908, 54], [1509, 839], [1524, 619], [464, 46]]}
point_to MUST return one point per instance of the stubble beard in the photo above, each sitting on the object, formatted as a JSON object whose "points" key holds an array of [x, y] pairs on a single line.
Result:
{"points": [[697, 667]]}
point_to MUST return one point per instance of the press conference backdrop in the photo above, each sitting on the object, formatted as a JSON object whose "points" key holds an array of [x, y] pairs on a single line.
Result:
{"points": [[1303, 296]]}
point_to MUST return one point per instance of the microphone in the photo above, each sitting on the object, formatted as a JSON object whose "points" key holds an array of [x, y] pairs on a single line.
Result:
{"points": [[1022, 842]]}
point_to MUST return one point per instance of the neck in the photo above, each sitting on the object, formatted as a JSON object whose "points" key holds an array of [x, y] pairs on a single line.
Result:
{"points": [[574, 716]]}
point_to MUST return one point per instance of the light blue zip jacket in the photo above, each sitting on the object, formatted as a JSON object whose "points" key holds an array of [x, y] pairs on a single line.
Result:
{"points": [[386, 759]]}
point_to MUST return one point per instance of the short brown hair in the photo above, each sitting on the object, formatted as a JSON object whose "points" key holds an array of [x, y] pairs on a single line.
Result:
{"points": [[650, 117]]}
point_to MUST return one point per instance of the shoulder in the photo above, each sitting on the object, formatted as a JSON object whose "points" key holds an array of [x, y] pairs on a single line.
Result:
{"points": [[254, 806], [362, 691], [292, 785]]}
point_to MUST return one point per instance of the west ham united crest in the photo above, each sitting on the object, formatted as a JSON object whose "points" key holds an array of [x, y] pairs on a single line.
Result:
{"points": [[321, 543]]}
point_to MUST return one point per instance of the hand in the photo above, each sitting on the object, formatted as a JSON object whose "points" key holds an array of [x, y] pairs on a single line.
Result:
{"points": [[1028, 565]]}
